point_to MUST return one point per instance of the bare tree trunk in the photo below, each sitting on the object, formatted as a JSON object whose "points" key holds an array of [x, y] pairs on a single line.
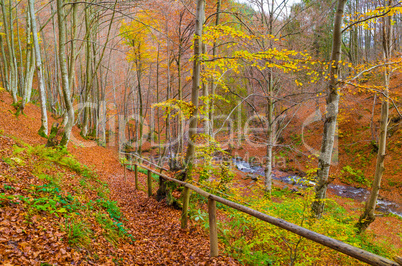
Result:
{"points": [[5, 64], [196, 81], [13, 57], [141, 112], [205, 92], [29, 65], [44, 127], [2, 74], [157, 100], [180, 145], [372, 125], [213, 86], [21, 70], [71, 73], [92, 75], [270, 115], [64, 73], [88, 69], [56, 79], [328, 137], [271, 136], [368, 215], [8, 28]]}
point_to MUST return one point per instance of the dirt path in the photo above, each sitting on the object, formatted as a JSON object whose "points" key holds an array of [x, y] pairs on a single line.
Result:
{"points": [[156, 228]]}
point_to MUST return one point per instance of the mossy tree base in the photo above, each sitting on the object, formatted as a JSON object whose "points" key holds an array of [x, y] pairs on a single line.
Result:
{"points": [[52, 139], [364, 221]]}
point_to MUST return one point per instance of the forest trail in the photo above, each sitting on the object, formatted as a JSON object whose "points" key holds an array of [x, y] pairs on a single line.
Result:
{"points": [[154, 225], [157, 228]]}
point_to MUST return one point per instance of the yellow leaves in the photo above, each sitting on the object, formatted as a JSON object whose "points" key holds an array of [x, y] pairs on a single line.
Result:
{"points": [[176, 107], [138, 35], [212, 33], [369, 17], [222, 32], [284, 60]]}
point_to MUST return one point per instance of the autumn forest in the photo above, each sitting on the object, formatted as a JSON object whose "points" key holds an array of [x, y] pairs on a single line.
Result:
{"points": [[200, 132]]}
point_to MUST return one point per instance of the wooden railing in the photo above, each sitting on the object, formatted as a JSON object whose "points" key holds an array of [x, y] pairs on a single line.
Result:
{"points": [[340, 246]]}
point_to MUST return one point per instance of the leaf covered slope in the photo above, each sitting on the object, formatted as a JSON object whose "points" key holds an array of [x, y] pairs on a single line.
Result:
{"points": [[56, 210]]}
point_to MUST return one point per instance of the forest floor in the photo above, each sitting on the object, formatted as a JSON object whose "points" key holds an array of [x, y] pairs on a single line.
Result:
{"points": [[154, 225], [35, 233]]}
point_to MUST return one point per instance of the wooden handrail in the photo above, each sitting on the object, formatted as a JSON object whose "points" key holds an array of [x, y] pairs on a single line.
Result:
{"points": [[340, 246], [151, 163]]}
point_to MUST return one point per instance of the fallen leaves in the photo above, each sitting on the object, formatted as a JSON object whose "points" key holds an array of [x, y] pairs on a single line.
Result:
{"points": [[35, 238]]}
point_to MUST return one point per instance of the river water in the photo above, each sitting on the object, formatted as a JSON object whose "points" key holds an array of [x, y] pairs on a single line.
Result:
{"points": [[359, 194]]}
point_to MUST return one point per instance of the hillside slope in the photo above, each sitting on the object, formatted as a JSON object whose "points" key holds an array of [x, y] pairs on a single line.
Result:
{"points": [[56, 210]]}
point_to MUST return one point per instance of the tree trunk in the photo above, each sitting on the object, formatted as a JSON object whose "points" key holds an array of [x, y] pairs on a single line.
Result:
{"points": [[180, 117], [71, 72], [270, 112], [328, 137], [196, 81], [29, 64], [138, 63], [64, 74], [88, 69], [271, 136], [91, 73], [5, 64], [157, 110], [8, 28], [21, 69], [56, 78], [213, 86], [205, 92], [44, 127], [368, 215]]}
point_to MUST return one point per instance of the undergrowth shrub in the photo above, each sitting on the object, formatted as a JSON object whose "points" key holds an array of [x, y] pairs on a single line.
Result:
{"points": [[255, 242], [72, 206], [205, 169], [351, 175], [79, 233], [111, 231]]}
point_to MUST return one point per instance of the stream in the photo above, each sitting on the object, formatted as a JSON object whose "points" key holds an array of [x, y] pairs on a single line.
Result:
{"points": [[359, 194]]}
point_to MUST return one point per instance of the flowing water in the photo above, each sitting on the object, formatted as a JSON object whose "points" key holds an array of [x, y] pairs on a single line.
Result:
{"points": [[360, 194]]}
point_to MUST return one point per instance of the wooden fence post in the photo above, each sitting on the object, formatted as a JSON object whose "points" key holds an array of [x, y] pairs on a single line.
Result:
{"points": [[136, 176], [149, 184], [213, 232], [184, 213]]}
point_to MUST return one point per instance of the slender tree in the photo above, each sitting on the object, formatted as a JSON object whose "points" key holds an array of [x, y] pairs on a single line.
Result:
{"points": [[330, 122], [199, 21], [29, 68], [212, 85], [9, 36], [44, 127], [368, 215], [61, 17]]}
